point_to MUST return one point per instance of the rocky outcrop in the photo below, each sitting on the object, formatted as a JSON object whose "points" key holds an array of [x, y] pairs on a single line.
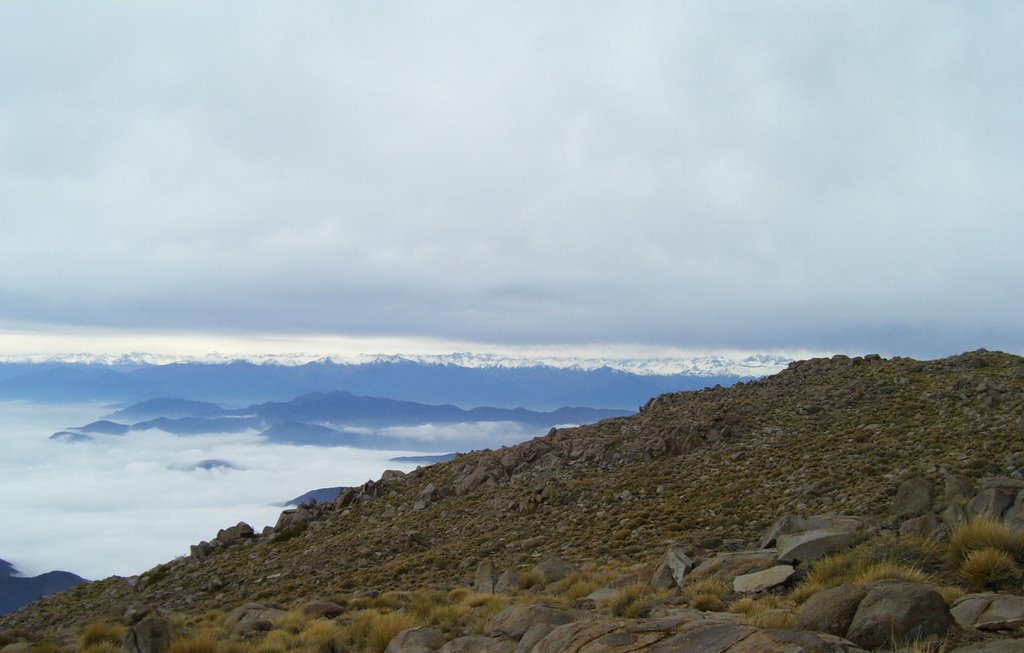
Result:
{"points": [[989, 611], [876, 614], [149, 635]]}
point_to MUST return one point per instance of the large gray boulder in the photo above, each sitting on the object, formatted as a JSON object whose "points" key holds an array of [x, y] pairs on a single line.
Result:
{"points": [[898, 611], [672, 569], [420, 639], [808, 546], [989, 611], [762, 580], [150, 635], [515, 620], [484, 578], [876, 614], [727, 566], [478, 644], [913, 497]]}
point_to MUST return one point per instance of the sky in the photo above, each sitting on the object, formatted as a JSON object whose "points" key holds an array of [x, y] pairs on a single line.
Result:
{"points": [[816, 175]]}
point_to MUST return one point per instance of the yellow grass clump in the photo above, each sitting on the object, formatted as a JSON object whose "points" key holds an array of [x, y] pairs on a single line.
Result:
{"points": [[989, 568]]}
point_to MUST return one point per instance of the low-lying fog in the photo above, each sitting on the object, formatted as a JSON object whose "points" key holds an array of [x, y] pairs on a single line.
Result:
{"points": [[123, 504]]}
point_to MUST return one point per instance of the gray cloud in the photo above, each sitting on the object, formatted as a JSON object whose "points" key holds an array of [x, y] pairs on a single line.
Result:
{"points": [[801, 174]]}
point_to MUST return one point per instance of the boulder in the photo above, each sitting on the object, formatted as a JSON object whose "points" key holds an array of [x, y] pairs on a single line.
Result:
{"points": [[832, 610], [913, 497], [672, 569], [484, 579], [924, 527], [685, 635], [958, 488], [322, 609], [293, 520], [991, 503], [478, 644], [554, 569], [515, 620], [506, 582], [993, 646], [415, 640], [150, 635], [235, 534], [784, 524], [762, 580], [989, 611], [808, 546], [252, 618], [898, 611], [727, 566]]}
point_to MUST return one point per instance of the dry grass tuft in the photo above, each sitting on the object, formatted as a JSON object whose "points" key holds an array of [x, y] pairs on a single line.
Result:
{"points": [[95, 635], [322, 636], [984, 533], [989, 568]]}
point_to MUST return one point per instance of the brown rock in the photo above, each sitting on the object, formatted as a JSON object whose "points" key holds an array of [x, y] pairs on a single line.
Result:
{"points": [[483, 579], [831, 611], [811, 545], [415, 640], [914, 497], [898, 611], [478, 644], [925, 526], [762, 580], [515, 620], [989, 611]]}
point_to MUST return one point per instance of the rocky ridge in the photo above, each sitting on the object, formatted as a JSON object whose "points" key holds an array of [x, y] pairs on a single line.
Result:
{"points": [[901, 444]]}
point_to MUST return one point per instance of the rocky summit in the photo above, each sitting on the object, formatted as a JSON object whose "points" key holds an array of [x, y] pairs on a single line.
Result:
{"points": [[712, 520]]}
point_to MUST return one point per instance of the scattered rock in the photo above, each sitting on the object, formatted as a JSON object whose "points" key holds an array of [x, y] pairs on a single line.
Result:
{"points": [[762, 580], [811, 545], [415, 640], [150, 635], [672, 569], [515, 620], [483, 579], [989, 611], [914, 497], [898, 611]]}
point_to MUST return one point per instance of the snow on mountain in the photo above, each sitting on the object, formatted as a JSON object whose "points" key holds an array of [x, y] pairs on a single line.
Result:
{"points": [[754, 365]]}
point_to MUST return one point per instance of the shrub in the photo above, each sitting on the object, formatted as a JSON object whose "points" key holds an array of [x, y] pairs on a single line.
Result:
{"points": [[889, 569], [630, 601], [97, 633], [529, 579], [323, 637], [195, 644], [989, 568], [984, 533], [384, 628]]}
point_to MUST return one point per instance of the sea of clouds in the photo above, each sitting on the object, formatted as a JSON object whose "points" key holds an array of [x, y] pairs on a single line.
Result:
{"points": [[123, 504]]}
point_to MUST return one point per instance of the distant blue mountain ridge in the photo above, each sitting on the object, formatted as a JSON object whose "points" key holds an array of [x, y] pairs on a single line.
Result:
{"points": [[242, 383], [17, 591], [327, 419]]}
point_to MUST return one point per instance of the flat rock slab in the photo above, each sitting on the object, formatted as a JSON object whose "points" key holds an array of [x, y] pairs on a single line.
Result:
{"points": [[678, 636], [727, 566], [989, 611], [993, 646], [762, 580], [812, 545], [515, 620]]}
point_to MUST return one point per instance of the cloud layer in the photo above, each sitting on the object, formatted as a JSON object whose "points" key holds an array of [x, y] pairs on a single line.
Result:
{"points": [[835, 176], [121, 505]]}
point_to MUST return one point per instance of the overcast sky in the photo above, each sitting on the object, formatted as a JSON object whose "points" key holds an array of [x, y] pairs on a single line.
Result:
{"points": [[833, 176]]}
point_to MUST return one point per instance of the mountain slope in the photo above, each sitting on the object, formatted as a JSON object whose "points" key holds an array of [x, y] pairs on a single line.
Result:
{"points": [[706, 469], [16, 591]]}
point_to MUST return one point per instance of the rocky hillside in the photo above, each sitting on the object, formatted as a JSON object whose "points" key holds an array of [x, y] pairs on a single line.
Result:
{"points": [[708, 471]]}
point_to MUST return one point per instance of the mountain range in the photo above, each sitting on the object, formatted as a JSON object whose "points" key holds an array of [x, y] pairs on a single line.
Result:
{"points": [[433, 381], [16, 590], [325, 419]]}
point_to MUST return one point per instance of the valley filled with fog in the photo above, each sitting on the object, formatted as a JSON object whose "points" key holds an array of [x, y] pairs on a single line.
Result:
{"points": [[119, 505]]}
